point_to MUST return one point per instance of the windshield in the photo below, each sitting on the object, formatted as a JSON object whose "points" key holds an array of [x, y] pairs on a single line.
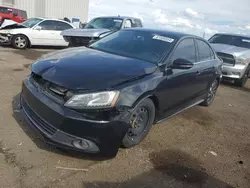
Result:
{"points": [[31, 22], [143, 45], [5, 10], [238, 41], [107, 23]]}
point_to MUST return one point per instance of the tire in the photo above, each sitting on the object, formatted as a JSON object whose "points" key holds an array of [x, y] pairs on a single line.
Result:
{"points": [[242, 82], [20, 41], [141, 120], [211, 93]]}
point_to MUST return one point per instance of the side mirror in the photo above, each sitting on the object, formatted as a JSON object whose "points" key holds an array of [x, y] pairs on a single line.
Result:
{"points": [[182, 64], [38, 28]]}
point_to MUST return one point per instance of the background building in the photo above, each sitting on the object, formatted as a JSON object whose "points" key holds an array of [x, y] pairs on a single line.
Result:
{"points": [[52, 8]]}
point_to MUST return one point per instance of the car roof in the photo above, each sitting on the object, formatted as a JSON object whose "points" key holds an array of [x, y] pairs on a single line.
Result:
{"points": [[54, 19], [176, 35], [232, 34], [12, 8], [118, 17]]}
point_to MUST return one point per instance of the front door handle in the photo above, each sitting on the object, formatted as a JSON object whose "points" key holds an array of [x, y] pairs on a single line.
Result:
{"points": [[198, 73]]}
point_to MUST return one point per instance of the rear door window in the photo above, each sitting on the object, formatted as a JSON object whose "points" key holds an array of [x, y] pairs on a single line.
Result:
{"points": [[205, 52], [16, 12], [63, 26], [185, 50]]}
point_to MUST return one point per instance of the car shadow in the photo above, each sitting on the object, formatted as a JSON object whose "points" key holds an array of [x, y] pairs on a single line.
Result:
{"points": [[171, 168], [38, 139], [231, 85], [36, 47]]}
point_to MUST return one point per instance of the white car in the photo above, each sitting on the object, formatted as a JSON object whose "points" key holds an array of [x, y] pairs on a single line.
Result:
{"points": [[35, 31]]}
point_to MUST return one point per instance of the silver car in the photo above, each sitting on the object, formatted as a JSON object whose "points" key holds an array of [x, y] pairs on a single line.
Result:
{"points": [[98, 28], [234, 50]]}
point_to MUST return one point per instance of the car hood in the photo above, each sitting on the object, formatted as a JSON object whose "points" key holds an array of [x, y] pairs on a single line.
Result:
{"points": [[229, 49], [13, 26], [84, 32], [84, 68]]}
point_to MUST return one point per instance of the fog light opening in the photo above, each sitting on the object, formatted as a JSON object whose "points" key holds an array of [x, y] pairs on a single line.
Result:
{"points": [[236, 73], [81, 144], [86, 145]]}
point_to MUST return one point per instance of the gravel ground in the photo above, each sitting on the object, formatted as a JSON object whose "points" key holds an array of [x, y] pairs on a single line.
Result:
{"points": [[202, 147]]}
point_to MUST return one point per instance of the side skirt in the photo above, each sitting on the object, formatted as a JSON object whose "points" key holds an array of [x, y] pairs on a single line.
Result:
{"points": [[184, 109]]}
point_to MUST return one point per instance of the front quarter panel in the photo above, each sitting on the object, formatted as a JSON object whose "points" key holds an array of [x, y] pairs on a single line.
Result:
{"points": [[133, 92], [24, 31]]}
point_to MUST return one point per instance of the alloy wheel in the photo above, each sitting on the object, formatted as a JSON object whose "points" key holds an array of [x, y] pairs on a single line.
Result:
{"points": [[20, 42], [212, 91]]}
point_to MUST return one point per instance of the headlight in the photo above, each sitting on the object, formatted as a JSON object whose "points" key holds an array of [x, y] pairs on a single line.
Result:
{"points": [[241, 61], [106, 99]]}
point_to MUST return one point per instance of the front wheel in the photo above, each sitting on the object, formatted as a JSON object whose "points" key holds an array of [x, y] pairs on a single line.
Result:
{"points": [[141, 120], [211, 93], [242, 82], [20, 41]]}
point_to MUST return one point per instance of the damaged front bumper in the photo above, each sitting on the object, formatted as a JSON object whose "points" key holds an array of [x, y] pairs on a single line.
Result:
{"points": [[5, 38], [67, 129]]}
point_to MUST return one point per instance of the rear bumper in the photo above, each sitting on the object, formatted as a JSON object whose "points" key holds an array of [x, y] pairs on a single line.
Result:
{"points": [[61, 126], [233, 72]]}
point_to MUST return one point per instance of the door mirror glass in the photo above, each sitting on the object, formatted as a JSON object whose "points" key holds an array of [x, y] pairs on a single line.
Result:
{"points": [[38, 28], [182, 64]]}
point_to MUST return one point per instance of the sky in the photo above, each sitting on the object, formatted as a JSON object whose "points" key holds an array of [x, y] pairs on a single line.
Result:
{"points": [[189, 16]]}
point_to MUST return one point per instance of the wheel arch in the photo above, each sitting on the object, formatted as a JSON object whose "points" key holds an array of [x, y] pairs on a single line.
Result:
{"points": [[149, 95], [29, 43]]}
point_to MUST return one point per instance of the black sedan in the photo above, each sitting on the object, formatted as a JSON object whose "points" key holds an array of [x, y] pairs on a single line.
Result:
{"points": [[95, 99]]}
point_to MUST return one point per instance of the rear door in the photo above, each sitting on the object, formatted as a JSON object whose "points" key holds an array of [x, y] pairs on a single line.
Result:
{"points": [[61, 26], [206, 62], [177, 89]]}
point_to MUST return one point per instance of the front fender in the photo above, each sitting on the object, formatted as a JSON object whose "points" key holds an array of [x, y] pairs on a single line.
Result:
{"points": [[132, 93]]}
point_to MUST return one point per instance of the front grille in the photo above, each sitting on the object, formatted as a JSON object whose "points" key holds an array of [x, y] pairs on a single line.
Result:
{"points": [[80, 41], [37, 121], [227, 58], [53, 91]]}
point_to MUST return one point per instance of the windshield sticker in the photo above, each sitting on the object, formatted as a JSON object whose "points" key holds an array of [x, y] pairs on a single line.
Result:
{"points": [[162, 38], [245, 40], [118, 21]]}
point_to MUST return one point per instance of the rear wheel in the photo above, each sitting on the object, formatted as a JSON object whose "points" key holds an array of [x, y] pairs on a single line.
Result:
{"points": [[211, 93], [141, 120], [20, 42], [242, 82]]}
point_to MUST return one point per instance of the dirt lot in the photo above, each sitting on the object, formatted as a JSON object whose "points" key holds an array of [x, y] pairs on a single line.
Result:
{"points": [[202, 147]]}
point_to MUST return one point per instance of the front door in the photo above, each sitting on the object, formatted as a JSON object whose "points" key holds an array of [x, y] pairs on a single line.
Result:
{"points": [[177, 88], [45, 33]]}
